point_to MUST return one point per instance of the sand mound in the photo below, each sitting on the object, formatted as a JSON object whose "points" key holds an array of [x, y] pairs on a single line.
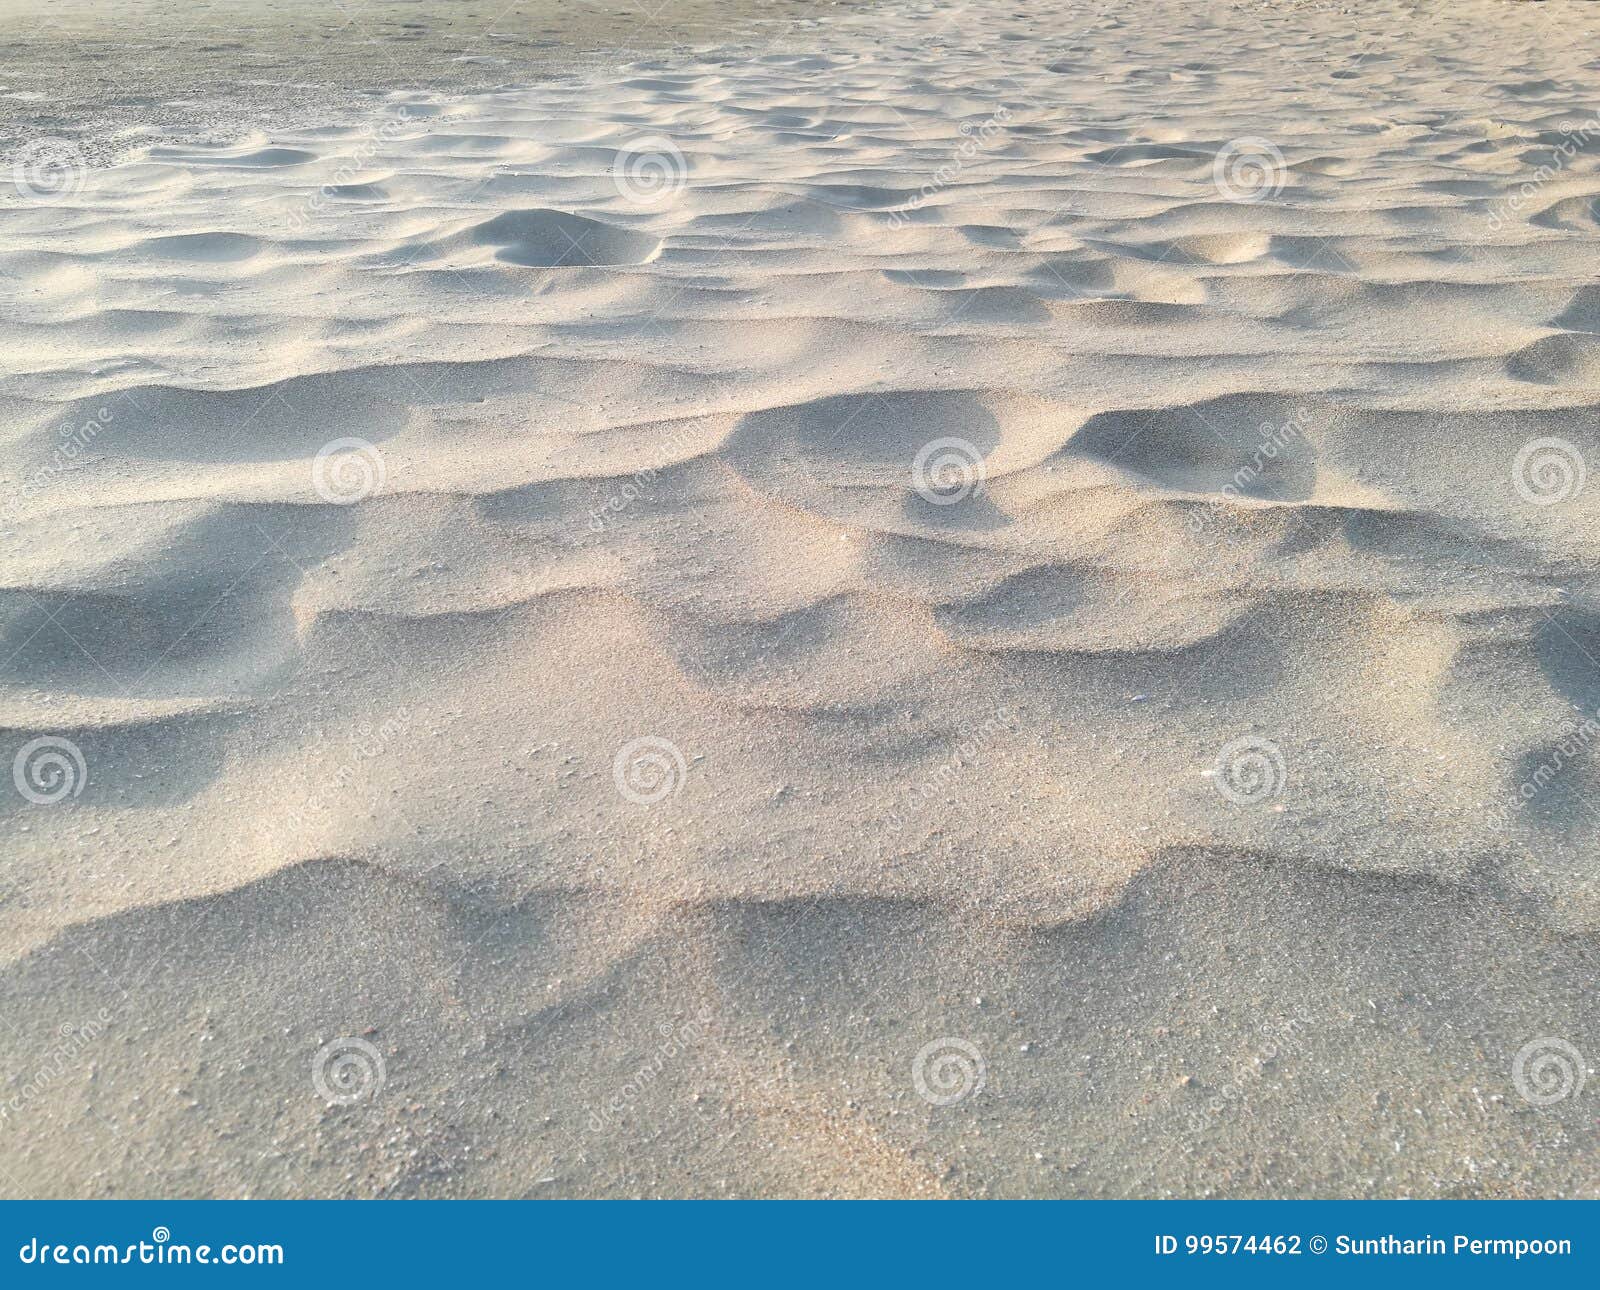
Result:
{"points": [[1071, 540], [546, 238]]}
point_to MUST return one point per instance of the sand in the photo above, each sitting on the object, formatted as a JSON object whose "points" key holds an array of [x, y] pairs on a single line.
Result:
{"points": [[947, 600], [113, 82]]}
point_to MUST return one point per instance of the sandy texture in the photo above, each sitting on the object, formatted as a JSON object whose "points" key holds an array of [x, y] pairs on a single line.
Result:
{"points": [[114, 79], [1001, 605]]}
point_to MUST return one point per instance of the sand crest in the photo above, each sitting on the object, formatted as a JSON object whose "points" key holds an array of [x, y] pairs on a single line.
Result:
{"points": [[980, 600]]}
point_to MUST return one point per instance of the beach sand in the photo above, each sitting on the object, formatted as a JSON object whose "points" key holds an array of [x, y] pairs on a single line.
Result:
{"points": [[918, 600], [157, 67]]}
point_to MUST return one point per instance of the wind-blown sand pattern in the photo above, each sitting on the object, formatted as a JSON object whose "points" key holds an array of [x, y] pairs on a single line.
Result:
{"points": [[1001, 602]]}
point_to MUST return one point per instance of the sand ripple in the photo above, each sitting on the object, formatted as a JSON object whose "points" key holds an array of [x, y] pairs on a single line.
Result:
{"points": [[947, 441]]}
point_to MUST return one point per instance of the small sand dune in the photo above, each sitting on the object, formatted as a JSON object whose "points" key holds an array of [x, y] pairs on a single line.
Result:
{"points": [[983, 600]]}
